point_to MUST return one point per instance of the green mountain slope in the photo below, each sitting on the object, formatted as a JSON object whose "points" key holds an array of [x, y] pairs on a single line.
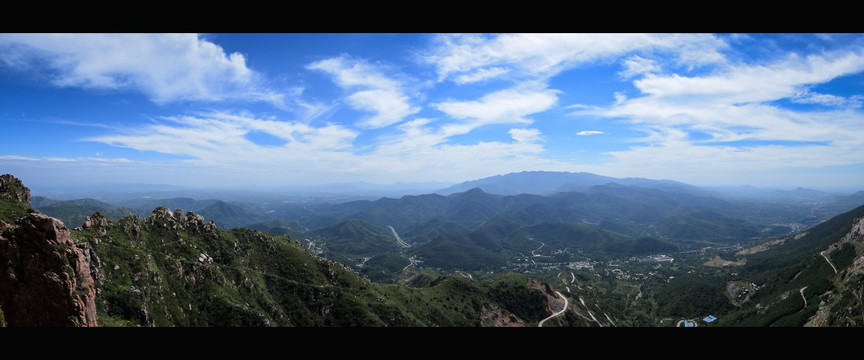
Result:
{"points": [[815, 278], [73, 213], [353, 239], [280, 227], [170, 270], [689, 223], [227, 215]]}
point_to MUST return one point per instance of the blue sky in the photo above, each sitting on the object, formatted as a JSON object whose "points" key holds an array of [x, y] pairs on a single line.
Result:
{"points": [[228, 110]]}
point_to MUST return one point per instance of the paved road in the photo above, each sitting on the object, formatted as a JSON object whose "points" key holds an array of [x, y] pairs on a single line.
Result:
{"points": [[802, 296], [566, 303], [398, 239], [542, 244], [829, 261]]}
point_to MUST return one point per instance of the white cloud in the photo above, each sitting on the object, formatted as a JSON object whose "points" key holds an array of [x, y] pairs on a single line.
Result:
{"points": [[165, 67], [525, 135], [108, 160], [373, 91], [416, 150], [480, 75], [734, 107], [582, 106], [807, 97], [508, 106], [755, 83], [544, 55], [219, 138], [17, 158], [60, 159], [57, 159], [637, 65], [589, 132]]}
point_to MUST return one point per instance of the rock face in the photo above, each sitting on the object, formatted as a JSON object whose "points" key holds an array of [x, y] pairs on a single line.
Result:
{"points": [[44, 278], [492, 315], [11, 189]]}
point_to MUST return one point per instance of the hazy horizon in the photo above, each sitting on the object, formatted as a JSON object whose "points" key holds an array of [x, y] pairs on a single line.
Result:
{"points": [[125, 191], [227, 111]]}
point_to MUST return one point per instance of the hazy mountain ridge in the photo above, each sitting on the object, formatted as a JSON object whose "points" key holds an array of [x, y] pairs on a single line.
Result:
{"points": [[550, 182]]}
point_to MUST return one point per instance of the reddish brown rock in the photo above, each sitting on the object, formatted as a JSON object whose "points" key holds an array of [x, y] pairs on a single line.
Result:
{"points": [[44, 278]]}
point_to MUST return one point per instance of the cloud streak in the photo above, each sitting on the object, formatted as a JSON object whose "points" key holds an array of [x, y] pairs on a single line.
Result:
{"points": [[476, 56], [416, 152]]}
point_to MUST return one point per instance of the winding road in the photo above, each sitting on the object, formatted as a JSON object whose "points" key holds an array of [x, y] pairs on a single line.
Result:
{"points": [[542, 244], [802, 296], [566, 303], [829, 261], [398, 239]]}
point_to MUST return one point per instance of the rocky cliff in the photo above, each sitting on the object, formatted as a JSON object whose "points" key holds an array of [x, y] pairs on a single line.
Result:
{"points": [[45, 278]]}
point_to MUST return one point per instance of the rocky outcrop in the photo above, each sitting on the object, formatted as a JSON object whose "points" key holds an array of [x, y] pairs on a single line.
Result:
{"points": [[12, 190], [96, 220], [492, 315], [45, 279], [164, 218]]}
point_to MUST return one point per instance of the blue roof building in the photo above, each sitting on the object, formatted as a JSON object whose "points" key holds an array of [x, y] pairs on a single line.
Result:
{"points": [[709, 319]]}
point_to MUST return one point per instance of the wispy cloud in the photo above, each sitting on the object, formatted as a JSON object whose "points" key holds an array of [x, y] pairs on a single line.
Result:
{"points": [[588, 132], [508, 106], [543, 55], [525, 135], [17, 158], [637, 65], [57, 159], [807, 97], [480, 75], [165, 67], [418, 151], [372, 91]]}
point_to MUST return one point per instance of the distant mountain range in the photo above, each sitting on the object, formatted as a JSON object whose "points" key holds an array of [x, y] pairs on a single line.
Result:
{"points": [[551, 182], [624, 217]]}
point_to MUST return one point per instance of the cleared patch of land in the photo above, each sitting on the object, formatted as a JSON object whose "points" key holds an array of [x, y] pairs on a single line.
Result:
{"points": [[717, 261], [768, 244]]}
